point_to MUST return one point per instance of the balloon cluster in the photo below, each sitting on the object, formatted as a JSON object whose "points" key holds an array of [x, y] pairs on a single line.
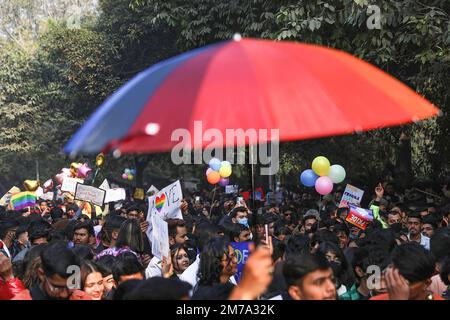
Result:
{"points": [[129, 174], [77, 170], [322, 175], [218, 172]]}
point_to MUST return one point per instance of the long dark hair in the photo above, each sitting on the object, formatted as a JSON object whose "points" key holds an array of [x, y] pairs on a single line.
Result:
{"points": [[211, 257], [130, 235], [346, 275], [174, 250]]}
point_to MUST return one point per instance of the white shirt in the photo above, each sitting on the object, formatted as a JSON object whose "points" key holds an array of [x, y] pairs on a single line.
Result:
{"points": [[190, 274], [424, 241], [97, 230], [5, 248], [154, 268]]}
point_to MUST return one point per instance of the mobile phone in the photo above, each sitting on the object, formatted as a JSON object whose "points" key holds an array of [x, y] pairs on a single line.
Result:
{"points": [[197, 199], [239, 199], [266, 232]]}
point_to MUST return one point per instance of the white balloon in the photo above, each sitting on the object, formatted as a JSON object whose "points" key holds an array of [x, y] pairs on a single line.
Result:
{"points": [[337, 173]]}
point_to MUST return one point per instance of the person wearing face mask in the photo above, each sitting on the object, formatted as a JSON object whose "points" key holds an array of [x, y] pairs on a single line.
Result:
{"points": [[238, 232], [240, 215], [341, 268], [368, 283]]}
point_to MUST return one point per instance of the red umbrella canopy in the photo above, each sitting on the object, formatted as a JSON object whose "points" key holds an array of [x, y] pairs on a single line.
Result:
{"points": [[305, 91]]}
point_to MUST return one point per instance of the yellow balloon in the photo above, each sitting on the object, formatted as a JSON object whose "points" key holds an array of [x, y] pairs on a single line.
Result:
{"points": [[74, 168], [100, 160], [321, 166], [225, 171]]}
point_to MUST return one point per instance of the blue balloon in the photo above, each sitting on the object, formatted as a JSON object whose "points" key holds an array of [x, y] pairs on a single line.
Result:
{"points": [[215, 164], [308, 178], [133, 172]]}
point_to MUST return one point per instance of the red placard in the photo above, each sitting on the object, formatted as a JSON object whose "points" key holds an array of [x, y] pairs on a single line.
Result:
{"points": [[359, 217]]}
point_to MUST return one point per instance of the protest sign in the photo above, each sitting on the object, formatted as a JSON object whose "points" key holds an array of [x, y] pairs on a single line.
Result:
{"points": [[152, 189], [351, 195], [49, 196], [90, 194], [359, 217], [105, 185], [242, 252], [139, 194], [166, 204], [160, 238], [259, 194], [4, 201], [69, 184], [232, 189], [113, 195]]}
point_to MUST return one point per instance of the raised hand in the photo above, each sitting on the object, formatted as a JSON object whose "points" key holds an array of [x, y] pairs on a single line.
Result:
{"points": [[167, 267], [397, 286], [379, 191]]}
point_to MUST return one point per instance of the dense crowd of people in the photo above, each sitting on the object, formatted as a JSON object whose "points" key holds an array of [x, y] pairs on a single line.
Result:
{"points": [[302, 248]]}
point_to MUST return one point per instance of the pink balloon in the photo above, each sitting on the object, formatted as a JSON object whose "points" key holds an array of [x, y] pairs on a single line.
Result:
{"points": [[84, 171], [59, 177], [209, 171], [124, 176], [324, 185]]}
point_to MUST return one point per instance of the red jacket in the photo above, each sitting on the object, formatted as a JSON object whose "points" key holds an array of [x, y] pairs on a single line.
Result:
{"points": [[10, 288]]}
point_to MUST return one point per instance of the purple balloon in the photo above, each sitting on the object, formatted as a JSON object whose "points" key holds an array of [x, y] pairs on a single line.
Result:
{"points": [[224, 182], [324, 185]]}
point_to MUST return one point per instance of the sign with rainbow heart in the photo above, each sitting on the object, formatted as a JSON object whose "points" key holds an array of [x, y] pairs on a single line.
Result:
{"points": [[166, 204]]}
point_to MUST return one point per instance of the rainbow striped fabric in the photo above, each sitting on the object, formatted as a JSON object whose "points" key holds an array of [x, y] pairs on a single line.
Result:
{"points": [[23, 200]]}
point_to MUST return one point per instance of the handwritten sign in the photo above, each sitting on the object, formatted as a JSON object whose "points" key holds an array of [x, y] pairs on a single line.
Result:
{"points": [[160, 238], [166, 204], [4, 201], [351, 195], [90, 194], [359, 217], [113, 195], [232, 189], [139, 194], [152, 190], [69, 184], [105, 185], [242, 252], [49, 196]]}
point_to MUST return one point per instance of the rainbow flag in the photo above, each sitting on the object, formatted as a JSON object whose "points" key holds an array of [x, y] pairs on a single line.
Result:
{"points": [[23, 200]]}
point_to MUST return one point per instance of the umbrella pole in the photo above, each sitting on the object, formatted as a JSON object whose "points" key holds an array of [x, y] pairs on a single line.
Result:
{"points": [[95, 175], [253, 178]]}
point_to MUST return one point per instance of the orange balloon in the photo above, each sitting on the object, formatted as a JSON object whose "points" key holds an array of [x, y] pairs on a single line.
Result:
{"points": [[213, 177]]}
